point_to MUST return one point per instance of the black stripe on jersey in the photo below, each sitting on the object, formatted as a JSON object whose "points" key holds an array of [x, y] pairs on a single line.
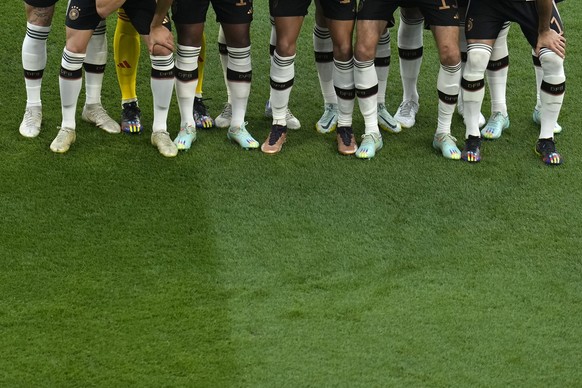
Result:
{"points": [[498, 64], [239, 76], [222, 49], [382, 62], [185, 75], [36, 74], [96, 69], [162, 74], [282, 85], [536, 61], [410, 54], [472, 86], [556, 90], [345, 94], [323, 57], [363, 93], [450, 99], [71, 74]]}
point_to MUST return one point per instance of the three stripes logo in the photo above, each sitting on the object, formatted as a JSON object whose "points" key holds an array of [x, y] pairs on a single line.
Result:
{"points": [[124, 65]]}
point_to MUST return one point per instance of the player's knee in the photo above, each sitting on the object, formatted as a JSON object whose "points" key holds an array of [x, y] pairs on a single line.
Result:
{"points": [[161, 51], [450, 55], [343, 51], [553, 67], [477, 61], [364, 52], [286, 48]]}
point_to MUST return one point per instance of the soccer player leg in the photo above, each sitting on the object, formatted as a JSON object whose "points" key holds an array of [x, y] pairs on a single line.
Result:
{"points": [[126, 52], [162, 85], [539, 73], [323, 52], [473, 84], [382, 66], [366, 83], [223, 119], [497, 79], [410, 50], [70, 82], [94, 65], [188, 51], [552, 95], [239, 77], [34, 58], [448, 85], [201, 116]]}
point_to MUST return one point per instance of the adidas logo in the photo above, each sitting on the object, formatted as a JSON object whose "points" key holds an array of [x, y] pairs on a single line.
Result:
{"points": [[124, 65]]}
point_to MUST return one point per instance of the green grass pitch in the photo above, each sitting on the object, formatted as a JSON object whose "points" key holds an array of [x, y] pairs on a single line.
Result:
{"points": [[230, 268]]}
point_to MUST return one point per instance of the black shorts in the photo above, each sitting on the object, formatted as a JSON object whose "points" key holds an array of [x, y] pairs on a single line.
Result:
{"points": [[41, 3], [82, 15], [227, 11], [435, 12], [486, 18], [339, 9], [281, 8]]}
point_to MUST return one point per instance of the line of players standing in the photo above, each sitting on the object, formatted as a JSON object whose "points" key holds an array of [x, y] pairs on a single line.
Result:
{"points": [[346, 71]]}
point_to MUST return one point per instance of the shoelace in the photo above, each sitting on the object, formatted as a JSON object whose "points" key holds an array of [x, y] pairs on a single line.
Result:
{"points": [[289, 115], [276, 133], [406, 108], [346, 135], [101, 115], [227, 110], [131, 111], [200, 107], [30, 118], [547, 146]]}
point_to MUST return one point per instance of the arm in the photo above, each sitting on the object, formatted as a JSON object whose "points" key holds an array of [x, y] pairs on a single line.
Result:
{"points": [[107, 7], [160, 35], [547, 37]]}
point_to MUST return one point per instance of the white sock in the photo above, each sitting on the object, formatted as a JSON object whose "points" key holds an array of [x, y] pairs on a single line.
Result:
{"points": [[95, 64], [551, 91], [223, 51], [239, 76], [382, 64], [323, 50], [410, 52], [366, 82], [473, 84], [448, 84], [70, 82], [34, 61], [186, 82], [282, 76], [162, 85], [343, 81], [497, 72]]}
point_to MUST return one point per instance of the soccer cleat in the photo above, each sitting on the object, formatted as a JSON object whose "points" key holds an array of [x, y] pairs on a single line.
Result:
{"points": [[292, 121], [386, 121], [274, 142], [131, 118], [95, 114], [472, 150], [406, 113], [536, 116], [371, 142], [328, 121], [162, 140], [224, 118], [63, 141], [30, 126], [446, 143], [495, 126], [346, 142], [185, 137], [201, 116], [242, 137], [546, 148]]}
